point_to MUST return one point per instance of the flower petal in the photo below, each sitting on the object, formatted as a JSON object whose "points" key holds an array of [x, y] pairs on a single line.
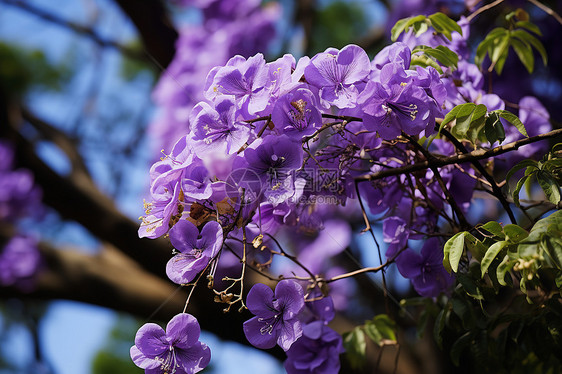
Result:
{"points": [[183, 236], [253, 329], [290, 296], [151, 340], [141, 360], [291, 330], [183, 330], [260, 301], [195, 358]]}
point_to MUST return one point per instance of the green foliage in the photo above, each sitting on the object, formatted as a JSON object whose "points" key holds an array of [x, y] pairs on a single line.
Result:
{"points": [[381, 330], [114, 356], [337, 25], [473, 122], [420, 24], [425, 56], [547, 173], [132, 68], [519, 36], [22, 69], [355, 346]]}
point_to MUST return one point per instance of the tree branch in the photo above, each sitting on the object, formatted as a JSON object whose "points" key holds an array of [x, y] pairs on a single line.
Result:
{"points": [[475, 155], [155, 28]]}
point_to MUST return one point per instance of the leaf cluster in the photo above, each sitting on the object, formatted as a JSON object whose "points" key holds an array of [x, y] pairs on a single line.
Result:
{"points": [[519, 36], [547, 172], [440, 22], [486, 318], [381, 330], [473, 122]]}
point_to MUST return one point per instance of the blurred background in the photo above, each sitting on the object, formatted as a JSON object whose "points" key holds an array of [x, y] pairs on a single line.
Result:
{"points": [[90, 92]]}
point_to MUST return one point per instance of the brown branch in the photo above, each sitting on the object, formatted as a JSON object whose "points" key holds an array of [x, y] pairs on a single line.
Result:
{"points": [[78, 199], [478, 154], [478, 166], [61, 140], [483, 9], [547, 10], [155, 28], [452, 202]]}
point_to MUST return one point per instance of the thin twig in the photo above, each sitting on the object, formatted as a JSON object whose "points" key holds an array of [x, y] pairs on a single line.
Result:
{"points": [[547, 10], [483, 9], [478, 154], [452, 202], [496, 190]]}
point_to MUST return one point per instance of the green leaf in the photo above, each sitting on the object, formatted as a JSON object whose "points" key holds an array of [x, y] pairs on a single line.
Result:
{"points": [[495, 228], [558, 281], [527, 38], [498, 50], [525, 54], [441, 53], [403, 24], [468, 126], [355, 346], [518, 187], [550, 186], [493, 129], [439, 326], [529, 26], [449, 117], [520, 165], [490, 255], [381, 329], [514, 120], [502, 270], [514, 233], [444, 25], [459, 346], [452, 251], [425, 61], [475, 246]]}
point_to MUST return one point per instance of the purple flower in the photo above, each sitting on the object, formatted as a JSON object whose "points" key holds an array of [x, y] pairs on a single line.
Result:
{"points": [[316, 352], [275, 320], [337, 73], [196, 183], [391, 109], [19, 262], [395, 233], [274, 161], [318, 310], [196, 250], [165, 191], [295, 113], [243, 79], [175, 351], [216, 130], [426, 270]]}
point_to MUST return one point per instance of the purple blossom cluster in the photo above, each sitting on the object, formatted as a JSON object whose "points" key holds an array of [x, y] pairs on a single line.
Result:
{"points": [[20, 259], [227, 28], [272, 140], [19, 196], [19, 262]]}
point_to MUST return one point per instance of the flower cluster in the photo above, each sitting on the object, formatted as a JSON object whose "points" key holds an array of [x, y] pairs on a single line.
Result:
{"points": [[174, 351], [272, 139], [227, 28], [20, 259]]}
